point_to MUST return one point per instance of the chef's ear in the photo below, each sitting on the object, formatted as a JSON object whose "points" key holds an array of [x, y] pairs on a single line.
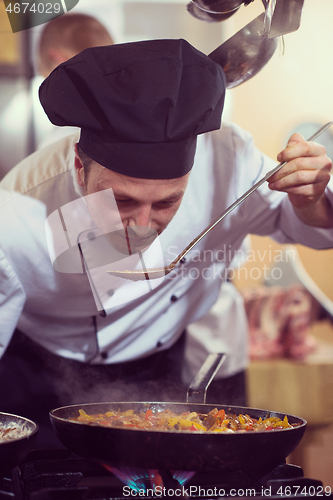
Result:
{"points": [[79, 167]]}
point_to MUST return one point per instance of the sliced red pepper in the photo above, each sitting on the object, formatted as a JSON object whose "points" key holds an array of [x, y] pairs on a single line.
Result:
{"points": [[193, 428], [219, 417], [220, 414], [149, 414], [104, 422]]}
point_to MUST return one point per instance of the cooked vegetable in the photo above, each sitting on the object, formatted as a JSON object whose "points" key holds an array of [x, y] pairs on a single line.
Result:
{"points": [[167, 420], [11, 432]]}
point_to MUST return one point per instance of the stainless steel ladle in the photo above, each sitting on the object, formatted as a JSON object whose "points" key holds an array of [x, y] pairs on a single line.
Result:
{"points": [[160, 272], [244, 54], [213, 11]]}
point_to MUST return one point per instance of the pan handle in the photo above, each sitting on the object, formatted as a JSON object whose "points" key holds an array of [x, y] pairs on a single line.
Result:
{"points": [[196, 393]]}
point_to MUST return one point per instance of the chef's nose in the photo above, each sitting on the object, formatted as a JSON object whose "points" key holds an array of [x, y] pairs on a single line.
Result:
{"points": [[141, 221], [139, 231]]}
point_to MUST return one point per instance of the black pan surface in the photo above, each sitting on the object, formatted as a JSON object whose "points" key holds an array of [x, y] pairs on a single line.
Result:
{"points": [[255, 452]]}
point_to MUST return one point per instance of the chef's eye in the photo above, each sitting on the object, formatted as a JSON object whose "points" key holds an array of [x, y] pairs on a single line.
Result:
{"points": [[165, 204], [129, 200]]}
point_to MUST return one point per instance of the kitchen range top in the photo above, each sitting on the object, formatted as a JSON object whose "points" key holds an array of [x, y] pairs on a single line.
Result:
{"points": [[60, 475]]}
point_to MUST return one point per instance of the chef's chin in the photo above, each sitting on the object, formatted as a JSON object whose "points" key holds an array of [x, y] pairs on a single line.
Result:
{"points": [[128, 242]]}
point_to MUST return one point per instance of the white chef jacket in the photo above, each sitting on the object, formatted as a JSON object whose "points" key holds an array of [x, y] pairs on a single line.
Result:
{"points": [[59, 309], [224, 328]]}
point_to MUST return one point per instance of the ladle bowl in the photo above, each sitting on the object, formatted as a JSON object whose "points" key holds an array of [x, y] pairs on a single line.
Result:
{"points": [[218, 6], [244, 54], [204, 15]]}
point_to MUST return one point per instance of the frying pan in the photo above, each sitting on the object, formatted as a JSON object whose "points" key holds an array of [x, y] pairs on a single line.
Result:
{"points": [[254, 452], [14, 451]]}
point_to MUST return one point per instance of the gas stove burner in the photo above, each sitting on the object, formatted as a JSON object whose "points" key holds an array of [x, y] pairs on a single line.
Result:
{"points": [[150, 479], [60, 475]]}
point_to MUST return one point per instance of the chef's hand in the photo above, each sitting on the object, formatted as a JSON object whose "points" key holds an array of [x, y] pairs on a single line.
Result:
{"points": [[305, 178]]}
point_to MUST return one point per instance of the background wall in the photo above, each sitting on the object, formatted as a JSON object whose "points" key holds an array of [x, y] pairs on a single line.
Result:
{"points": [[294, 88]]}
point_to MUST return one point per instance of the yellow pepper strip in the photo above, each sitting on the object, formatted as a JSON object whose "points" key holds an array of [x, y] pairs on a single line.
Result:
{"points": [[127, 413], [172, 421], [241, 419], [283, 423], [271, 420], [185, 424], [84, 417], [199, 427]]}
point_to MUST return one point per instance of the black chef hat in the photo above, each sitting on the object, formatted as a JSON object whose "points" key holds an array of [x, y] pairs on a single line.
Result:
{"points": [[139, 105]]}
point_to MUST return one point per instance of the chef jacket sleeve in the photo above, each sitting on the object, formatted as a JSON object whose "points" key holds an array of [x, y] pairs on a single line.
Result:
{"points": [[294, 229], [290, 229], [268, 212], [12, 299]]}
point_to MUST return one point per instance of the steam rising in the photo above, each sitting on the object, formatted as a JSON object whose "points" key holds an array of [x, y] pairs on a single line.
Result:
{"points": [[79, 383]]}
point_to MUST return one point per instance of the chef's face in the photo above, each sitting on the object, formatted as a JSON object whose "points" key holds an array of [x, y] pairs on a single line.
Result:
{"points": [[146, 206]]}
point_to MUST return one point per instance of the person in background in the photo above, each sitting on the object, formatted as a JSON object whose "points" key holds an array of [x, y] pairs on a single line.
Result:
{"points": [[66, 36], [61, 39]]}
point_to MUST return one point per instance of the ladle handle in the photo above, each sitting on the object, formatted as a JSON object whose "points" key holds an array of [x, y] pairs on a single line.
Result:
{"points": [[268, 175], [241, 199], [277, 168], [197, 390]]}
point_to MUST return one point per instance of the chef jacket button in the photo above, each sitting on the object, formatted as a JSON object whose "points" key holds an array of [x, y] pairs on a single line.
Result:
{"points": [[104, 355], [159, 344], [91, 236], [110, 292], [173, 298]]}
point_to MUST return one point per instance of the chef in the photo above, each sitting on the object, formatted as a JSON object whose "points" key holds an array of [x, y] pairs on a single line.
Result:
{"points": [[151, 168]]}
